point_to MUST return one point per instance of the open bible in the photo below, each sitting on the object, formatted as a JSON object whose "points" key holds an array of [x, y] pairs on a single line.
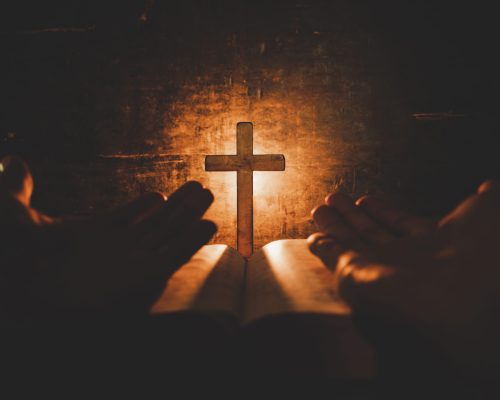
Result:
{"points": [[281, 299]]}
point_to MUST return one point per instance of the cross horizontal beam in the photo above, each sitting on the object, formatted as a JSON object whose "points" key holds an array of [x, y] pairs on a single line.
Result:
{"points": [[258, 162]]}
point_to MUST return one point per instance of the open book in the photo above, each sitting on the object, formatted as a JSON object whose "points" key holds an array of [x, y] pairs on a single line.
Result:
{"points": [[281, 281]]}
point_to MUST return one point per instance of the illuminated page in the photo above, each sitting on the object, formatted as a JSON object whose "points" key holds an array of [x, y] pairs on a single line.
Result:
{"points": [[284, 276], [212, 281]]}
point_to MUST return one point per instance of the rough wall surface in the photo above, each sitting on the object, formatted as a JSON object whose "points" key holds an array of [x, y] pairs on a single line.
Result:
{"points": [[109, 99]]}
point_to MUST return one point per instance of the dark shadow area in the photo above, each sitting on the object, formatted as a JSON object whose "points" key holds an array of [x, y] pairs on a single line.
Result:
{"points": [[153, 350], [227, 278], [410, 90], [306, 346]]}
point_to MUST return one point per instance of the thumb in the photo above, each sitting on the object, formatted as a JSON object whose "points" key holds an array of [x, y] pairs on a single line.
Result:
{"points": [[16, 179]]}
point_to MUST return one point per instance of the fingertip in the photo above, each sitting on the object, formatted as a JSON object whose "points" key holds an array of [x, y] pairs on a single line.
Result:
{"points": [[312, 241], [136, 210], [319, 212], [363, 200], [202, 200], [194, 196], [338, 199], [192, 186], [488, 185], [370, 202], [14, 163], [210, 195], [319, 242], [313, 211], [154, 197], [208, 226], [16, 178], [326, 248], [332, 198], [147, 202], [187, 189]]}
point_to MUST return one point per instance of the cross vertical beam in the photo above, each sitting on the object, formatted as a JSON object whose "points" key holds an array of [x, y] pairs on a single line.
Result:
{"points": [[244, 189], [244, 163]]}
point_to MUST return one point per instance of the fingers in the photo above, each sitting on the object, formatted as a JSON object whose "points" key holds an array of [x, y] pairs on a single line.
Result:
{"points": [[336, 238], [124, 216], [135, 211], [187, 190], [147, 283], [177, 252], [360, 279], [187, 193], [326, 248], [331, 222], [363, 283], [16, 179], [186, 205], [361, 222], [394, 218]]}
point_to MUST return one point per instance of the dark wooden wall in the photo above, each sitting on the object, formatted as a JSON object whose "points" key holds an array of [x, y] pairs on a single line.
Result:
{"points": [[106, 99]]}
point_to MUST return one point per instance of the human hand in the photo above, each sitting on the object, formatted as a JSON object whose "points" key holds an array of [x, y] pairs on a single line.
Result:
{"points": [[439, 280], [118, 261]]}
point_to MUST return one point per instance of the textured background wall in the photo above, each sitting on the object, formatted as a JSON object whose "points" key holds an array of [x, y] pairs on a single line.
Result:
{"points": [[108, 99]]}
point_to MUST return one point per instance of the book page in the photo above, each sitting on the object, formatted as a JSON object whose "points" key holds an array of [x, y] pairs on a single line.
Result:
{"points": [[212, 281], [284, 276]]}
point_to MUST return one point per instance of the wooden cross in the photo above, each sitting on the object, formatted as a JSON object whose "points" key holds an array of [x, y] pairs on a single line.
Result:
{"points": [[245, 162]]}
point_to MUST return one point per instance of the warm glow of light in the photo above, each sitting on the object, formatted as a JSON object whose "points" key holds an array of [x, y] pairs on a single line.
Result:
{"points": [[306, 289], [1, 167], [185, 284], [205, 124]]}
